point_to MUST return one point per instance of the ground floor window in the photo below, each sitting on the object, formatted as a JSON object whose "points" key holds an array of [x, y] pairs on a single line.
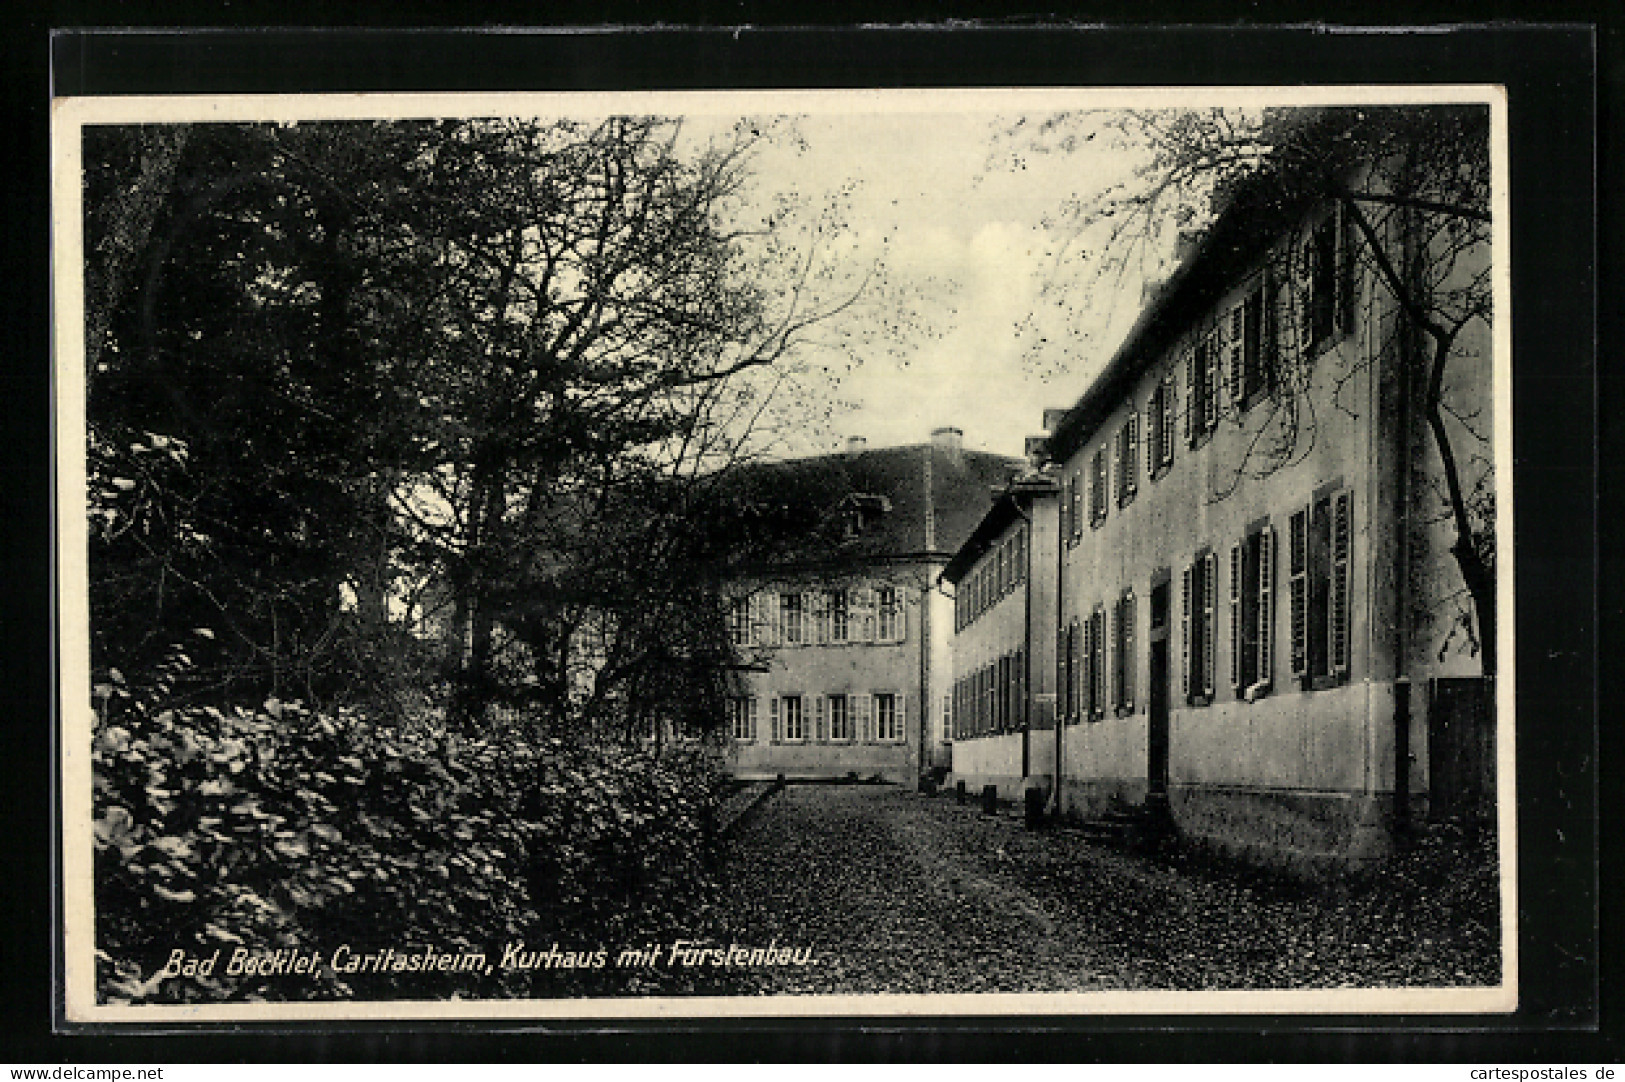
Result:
{"points": [[742, 718], [840, 720], [792, 723], [888, 725]]}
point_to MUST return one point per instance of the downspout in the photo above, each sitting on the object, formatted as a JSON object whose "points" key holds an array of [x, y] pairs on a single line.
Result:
{"points": [[1063, 653], [1402, 584], [1027, 644]]}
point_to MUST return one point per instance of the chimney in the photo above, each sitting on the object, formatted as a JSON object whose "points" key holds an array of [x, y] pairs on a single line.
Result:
{"points": [[1037, 451], [949, 439], [855, 445], [1053, 418]]}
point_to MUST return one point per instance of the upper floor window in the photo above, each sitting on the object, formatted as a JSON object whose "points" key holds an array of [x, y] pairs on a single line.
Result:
{"points": [[792, 625], [1201, 389], [739, 621], [890, 612], [839, 622], [1249, 368], [1159, 427], [1097, 488], [1325, 270], [1127, 452]]}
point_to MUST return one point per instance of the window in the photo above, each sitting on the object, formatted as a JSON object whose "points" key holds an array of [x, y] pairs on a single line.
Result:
{"points": [[1095, 664], [791, 629], [1159, 425], [840, 719], [1075, 505], [1252, 613], [1196, 630], [838, 621], [742, 718], [891, 614], [1326, 283], [1320, 542], [1128, 452], [1123, 653], [739, 621], [1248, 371], [1074, 658], [793, 724], [888, 720], [1097, 488], [947, 717], [1201, 389]]}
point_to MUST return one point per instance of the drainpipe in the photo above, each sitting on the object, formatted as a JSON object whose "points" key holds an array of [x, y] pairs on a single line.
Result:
{"points": [[1402, 585], [1062, 652], [1027, 645]]}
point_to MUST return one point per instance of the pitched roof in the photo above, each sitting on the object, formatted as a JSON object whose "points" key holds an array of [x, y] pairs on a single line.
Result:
{"points": [[1006, 507], [929, 499]]}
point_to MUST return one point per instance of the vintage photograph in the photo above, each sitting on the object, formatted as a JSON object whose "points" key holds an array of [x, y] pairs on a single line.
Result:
{"points": [[843, 553]]}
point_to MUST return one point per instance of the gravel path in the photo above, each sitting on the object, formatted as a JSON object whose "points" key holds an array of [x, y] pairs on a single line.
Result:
{"points": [[896, 892]]}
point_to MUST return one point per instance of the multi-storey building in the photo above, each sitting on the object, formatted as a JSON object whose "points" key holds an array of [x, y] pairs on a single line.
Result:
{"points": [[1253, 555], [1004, 661], [845, 646]]}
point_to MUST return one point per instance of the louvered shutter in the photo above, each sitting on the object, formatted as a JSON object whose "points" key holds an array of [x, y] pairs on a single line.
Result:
{"points": [[1153, 430], [1266, 607], [758, 619], [1235, 620], [859, 705], [770, 609], [818, 719], [1131, 454], [1267, 343], [1185, 632], [773, 720], [1210, 385], [1303, 295], [1339, 607], [1100, 635], [1235, 346], [1346, 263], [1021, 688], [1129, 656], [1193, 404], [900, 718], [1209, 628], [1166, 426], [866, 613], [1086, 679], [1298, 587]]}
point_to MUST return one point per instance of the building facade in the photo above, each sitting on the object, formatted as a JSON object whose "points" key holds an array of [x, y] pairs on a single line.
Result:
{"points": [[1253, 558], [1004, 661], [845, 650]]}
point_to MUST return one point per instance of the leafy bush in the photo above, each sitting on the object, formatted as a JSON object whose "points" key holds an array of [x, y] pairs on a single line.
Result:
{"points": [[280, 827]]}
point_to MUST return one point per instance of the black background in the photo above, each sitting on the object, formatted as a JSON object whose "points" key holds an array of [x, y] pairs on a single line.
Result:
{"points": [[1564, 90]]}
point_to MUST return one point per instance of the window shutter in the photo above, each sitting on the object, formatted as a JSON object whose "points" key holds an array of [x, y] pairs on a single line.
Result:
{"points": [[1166, 427], [1210, 384], [1304, 293], [1298, 586], [1346, 262], [1021, 688], [859, 706], [1234, 347], [1339, 607], [1131, 458], [1266, 606], [773, 714], [1153, 430], [1112, 622], [818, 719], [1266, 331], [866, 613], [1099, 671], [758, 619], [1209, 577], [1189, 685], [1128, 652], [1086, 691], [900, 718], [1235, 619], [1192, 403]]}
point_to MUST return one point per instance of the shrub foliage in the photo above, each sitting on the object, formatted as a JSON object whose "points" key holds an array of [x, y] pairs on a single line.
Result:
{"points": [[281, 828]]}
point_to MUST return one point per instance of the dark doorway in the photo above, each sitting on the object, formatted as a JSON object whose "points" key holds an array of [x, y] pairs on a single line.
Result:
{"points": [[1157, 700]]}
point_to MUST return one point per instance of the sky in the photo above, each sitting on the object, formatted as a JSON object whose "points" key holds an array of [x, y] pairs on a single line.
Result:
{"points": [[962, 234]]}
